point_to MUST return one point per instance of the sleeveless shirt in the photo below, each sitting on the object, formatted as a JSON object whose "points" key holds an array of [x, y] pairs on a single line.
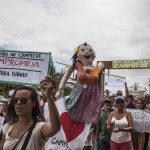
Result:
{"points": [[120, 137]]}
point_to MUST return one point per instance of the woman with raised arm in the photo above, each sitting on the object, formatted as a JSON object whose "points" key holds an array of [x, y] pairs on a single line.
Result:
{"points": [[24, 129]]}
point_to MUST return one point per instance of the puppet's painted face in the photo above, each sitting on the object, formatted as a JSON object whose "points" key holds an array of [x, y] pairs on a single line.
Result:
{"points": [[86, 54]]}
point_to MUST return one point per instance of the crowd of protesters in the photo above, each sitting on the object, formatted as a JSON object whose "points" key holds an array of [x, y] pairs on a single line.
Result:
{"points": [[114, 130]]}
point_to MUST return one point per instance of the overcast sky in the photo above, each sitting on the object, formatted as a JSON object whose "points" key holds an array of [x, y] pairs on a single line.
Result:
{"points": [[116, 29]]}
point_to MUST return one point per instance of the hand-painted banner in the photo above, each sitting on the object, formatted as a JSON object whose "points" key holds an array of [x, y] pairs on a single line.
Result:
{"points": [[131, 64], [141, 120], [72, 134], [23, 67]]}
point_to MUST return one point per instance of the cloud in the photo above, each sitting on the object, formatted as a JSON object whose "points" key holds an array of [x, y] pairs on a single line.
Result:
{"points": [[116, 29]]}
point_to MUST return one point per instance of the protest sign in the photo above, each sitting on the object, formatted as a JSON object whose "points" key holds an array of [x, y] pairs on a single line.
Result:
{"points": [[141, 120], [112, 81], [72, 134], [23, 67]]}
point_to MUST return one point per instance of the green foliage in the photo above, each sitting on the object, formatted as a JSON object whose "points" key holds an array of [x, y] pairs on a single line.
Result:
{"points": [[6, 87], [67, 90], [51, 70]]}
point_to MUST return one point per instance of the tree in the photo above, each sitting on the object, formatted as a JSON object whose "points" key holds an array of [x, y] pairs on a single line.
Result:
{"points": [[6, 87]]}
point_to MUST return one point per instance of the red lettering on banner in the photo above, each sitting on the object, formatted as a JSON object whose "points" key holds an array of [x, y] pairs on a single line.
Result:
{"points": [[27, 63], [12, 62], [35, 65], [21, 63]]}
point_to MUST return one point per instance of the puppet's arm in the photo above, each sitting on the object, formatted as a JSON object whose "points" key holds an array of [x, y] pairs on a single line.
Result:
{"points": [[63, 82]]}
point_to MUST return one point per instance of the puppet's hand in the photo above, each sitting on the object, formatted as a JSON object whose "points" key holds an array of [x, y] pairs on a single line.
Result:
{"points": [[100, 64]]}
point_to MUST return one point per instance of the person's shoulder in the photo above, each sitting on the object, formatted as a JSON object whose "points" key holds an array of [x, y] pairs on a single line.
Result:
{"points": [[38, 126], [112, 113], [6, 127], [128, 114]]}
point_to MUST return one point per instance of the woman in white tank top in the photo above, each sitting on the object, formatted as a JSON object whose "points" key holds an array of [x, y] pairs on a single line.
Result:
{"points": [[121, 124]]}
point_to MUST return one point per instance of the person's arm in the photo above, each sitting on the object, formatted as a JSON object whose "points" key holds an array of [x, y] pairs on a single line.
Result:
{"points": [[126, 92], [110, 125], [63, 82], [50, 129], [141, 141]]}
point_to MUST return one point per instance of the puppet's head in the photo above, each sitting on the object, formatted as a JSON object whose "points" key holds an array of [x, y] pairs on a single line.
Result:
{"points": [[85, 54]]}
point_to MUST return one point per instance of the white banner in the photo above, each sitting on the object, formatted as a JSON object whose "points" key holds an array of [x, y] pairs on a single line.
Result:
{"points": [[112, 81], [71, 136], [141, 120], [23, 67]]}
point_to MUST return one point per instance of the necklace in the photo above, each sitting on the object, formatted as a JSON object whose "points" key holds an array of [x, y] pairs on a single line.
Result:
{"points": [[18, 130]]}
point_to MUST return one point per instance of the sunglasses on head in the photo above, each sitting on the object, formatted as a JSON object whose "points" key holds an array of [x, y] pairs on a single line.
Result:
{"points": [[23, 100]]}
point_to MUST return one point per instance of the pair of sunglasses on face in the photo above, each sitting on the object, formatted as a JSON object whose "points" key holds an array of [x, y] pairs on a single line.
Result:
{"points": [[23, 100]]}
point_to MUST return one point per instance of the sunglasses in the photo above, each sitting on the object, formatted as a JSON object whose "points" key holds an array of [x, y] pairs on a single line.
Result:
{"points": [[23, 100]]}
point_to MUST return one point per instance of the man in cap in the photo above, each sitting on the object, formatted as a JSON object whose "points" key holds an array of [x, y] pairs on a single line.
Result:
{"points": [[119, 93], [102, 134]]}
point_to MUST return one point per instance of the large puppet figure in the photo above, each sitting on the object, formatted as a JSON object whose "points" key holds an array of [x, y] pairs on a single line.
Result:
{"points": [[83, 104]]}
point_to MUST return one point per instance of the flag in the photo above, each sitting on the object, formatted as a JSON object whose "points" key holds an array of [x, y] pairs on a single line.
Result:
{"points": [[72, 135]]}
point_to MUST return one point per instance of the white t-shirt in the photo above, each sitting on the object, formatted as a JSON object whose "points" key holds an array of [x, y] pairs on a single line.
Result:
{"points": [[35, 143]]}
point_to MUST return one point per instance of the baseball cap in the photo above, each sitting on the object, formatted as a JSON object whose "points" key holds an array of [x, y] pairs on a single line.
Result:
{"points": [[107, 98], [119, 98], [119, 93]]}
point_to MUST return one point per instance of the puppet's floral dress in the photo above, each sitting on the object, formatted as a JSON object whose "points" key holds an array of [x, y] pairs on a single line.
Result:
{"points": [[83, 104]]}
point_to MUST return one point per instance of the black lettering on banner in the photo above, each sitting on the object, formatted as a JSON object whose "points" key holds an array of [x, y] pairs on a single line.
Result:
{"points": [[3, 54], [13, 54], [19, 74], [4, 73], [30, 55], [59, 142], [138, 115]]}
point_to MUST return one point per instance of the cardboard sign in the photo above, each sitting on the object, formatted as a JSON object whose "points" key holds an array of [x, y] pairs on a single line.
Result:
{"points": [[141, 120], [112, 81], [23, 67]]}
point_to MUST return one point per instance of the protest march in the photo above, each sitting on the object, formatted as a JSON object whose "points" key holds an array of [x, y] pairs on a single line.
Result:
{"points": [[37, 114]]}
